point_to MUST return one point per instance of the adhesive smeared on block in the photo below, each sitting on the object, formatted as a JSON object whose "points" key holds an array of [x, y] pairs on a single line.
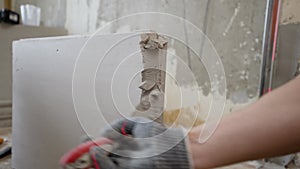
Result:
{"points": [[154, 52]]}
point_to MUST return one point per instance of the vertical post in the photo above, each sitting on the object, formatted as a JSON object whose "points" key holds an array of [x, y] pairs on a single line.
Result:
{"points": [[276, 18], [266, 45]]}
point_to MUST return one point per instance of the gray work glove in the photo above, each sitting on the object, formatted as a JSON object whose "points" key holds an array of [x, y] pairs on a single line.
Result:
{"points": [[147, 145]]}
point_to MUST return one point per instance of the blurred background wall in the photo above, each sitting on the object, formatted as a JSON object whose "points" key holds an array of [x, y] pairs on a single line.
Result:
{"points": [[234, 27]]}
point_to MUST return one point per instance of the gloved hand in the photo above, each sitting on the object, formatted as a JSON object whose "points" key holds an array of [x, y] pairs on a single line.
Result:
{"points": [[142, 144]]}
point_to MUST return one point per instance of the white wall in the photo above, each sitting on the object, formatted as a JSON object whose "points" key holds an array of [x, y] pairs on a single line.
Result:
{"points": [[82, 16], [8, 34], [53, 12], [1, 4], [48, 85]]}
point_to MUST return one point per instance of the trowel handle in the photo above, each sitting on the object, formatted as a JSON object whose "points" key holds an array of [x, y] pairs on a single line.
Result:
{"points": [[80, 150]]}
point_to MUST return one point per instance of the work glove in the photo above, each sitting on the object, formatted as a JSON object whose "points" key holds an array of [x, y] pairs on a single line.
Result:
{"points": [[139, 143]]}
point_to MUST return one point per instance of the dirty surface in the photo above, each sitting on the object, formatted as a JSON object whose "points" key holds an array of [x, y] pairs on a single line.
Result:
{"points": [[290, 12], [234, 27], [5, 163]]}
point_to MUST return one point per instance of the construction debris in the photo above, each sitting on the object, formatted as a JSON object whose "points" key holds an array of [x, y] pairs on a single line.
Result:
{"points": [[154, 53]]}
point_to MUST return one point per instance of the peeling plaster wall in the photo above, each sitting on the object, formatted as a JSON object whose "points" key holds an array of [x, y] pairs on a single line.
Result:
{"points": [[53, 12], [288, 53], [290, 12], [235, 28]]}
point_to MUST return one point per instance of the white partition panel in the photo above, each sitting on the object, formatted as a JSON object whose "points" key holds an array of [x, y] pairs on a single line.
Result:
{"points": [[45, 123]]}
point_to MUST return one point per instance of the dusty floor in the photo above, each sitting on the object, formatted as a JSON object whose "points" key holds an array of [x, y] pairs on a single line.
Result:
{"points": [[5, 163]]}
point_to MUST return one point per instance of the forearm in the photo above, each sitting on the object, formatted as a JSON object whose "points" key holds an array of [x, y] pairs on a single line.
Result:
{"points": [[270, 127]]}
